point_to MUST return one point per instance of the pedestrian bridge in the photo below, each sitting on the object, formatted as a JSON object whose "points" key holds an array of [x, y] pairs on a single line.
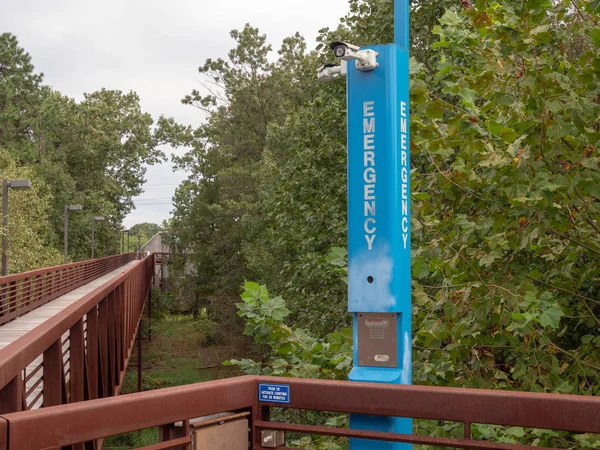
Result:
{"points": [[67, 334]]}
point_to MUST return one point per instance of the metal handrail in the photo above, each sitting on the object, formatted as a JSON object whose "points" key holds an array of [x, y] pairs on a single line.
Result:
{"points": [[96, 419], [93, 336], [23, 292]]}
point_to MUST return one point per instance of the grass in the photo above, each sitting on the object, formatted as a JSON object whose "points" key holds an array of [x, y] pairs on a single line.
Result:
{"points": [[182, 351]]}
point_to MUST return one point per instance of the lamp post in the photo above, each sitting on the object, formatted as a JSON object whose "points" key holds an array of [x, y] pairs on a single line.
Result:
{"points": [[66, 237], [123, 241], [94, 220], [14, 184]]}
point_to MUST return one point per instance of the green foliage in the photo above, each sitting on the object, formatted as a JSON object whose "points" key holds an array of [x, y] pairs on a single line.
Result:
{"points": [[28, 226], [93, 152], [505, 134], [294, 351]]}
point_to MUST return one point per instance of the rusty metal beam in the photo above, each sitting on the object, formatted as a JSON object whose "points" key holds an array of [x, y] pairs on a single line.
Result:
{"points": [[392, 437], [11, 396], [85, 421], [53, 374], [172, 444], [26, 291], [96, 419], [3, 434], [76, 364], [576, 413]]}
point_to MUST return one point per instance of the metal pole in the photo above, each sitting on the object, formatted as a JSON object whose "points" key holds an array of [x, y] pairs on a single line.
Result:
{"points": [[379, 278], [66, 236], [401, 27], [150, 310], [139, 242], [4, 227], [123, 242], [128, 242], [139, 359], [93, 226]]}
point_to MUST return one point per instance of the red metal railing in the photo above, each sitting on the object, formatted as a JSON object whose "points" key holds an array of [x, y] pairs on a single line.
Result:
{"points": [[20, 293], [81, 352], [91, 421]]}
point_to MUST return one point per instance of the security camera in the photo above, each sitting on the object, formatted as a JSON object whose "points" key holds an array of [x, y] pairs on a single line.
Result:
{"points": [[330, 72], [341, 49], [365, 59]]}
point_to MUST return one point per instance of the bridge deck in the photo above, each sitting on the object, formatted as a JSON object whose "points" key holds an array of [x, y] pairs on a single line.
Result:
{"points": [[11, 331]]}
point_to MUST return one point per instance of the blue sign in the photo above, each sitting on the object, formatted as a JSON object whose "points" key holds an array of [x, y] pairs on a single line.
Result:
{"points": [[274, 393]]}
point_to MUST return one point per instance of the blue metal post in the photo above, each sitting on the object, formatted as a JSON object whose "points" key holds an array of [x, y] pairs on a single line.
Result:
{"points": [[379, 279]]}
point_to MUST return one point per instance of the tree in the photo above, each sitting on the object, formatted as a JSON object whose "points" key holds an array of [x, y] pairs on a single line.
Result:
{"points": [[19, 98], [93, 152], [247, 94], [28, 225]]}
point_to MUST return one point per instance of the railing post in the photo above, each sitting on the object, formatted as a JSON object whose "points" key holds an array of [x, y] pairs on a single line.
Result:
{"points": [[150, 314], [77, 354], [11, 397], [3, 434], [92, 352], [139, 357], [53, 374], [103, 335]]}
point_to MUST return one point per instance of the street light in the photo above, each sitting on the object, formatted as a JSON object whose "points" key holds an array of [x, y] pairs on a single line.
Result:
{"points": [[14, 184], [123, 241], [94, 220], [66, 238]]}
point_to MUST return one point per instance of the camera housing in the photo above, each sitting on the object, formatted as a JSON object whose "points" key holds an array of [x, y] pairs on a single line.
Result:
{"points": [[365, 59], [330, 72]]}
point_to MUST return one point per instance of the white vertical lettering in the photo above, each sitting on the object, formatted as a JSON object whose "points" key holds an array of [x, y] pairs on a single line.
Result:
{"points": [[369, 175], [369, 125], [404, 174], [369, 209], [370, 230], [370, 239]]}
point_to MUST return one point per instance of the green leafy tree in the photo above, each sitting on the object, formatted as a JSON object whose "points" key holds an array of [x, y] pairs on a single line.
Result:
{"points": [[93, 152], [28, 225]]}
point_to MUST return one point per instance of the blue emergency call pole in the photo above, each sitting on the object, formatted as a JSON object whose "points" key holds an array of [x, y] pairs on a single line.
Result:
{"points": [[379, 279]]}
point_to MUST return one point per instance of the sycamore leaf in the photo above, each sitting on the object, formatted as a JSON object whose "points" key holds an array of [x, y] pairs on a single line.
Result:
{"points": [[596, 36], [551, 317], [488, 259], [450, 18]]}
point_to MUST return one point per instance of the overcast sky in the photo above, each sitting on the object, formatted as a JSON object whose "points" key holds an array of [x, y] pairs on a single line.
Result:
{"points": [[152, 47]]}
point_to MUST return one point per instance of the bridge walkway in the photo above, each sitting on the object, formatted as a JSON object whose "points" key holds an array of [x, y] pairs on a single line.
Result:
{"points": [[19, 327]]}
